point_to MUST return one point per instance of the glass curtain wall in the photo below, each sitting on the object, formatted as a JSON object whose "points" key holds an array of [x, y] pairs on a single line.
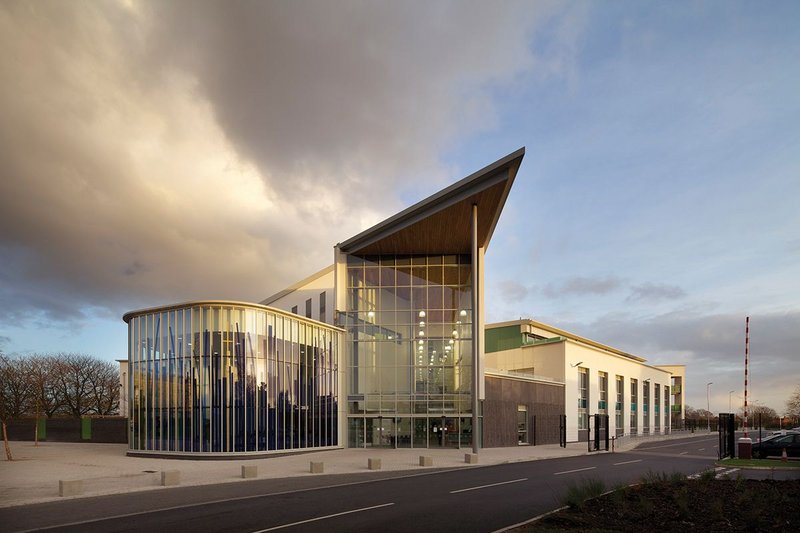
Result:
{"points": [[230, 378], [409, 350]]}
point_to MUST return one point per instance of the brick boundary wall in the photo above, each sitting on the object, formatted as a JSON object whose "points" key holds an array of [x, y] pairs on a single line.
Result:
{"points": [[88, 429]]}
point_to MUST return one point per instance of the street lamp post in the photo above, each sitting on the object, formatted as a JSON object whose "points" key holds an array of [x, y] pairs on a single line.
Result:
{"points": [[708, 403]]}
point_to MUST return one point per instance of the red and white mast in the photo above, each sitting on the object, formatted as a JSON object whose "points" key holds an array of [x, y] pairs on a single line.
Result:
{"points": [[746, 359]]}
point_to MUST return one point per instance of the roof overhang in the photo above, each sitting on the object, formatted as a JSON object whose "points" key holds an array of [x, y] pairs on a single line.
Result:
{"points": [[441, 224]]}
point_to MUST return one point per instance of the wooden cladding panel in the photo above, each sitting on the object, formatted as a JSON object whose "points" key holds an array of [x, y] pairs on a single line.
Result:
{"points": [[503, 396], [445, 232]]}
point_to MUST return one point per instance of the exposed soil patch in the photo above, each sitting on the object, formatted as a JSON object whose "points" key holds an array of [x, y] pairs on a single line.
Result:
{"points": [[686, 505]]}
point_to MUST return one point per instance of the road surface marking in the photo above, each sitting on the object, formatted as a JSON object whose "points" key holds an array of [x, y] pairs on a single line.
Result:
{"points": [[234, 499], [572, 471], [727, 472], [324, 517], [697, 475], [700, 449], [683, 453], [628, 462], [491, 485]]}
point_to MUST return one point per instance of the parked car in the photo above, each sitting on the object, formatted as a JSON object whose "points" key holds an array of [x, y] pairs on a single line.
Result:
{"points": [[774, 446], [776, 434]]}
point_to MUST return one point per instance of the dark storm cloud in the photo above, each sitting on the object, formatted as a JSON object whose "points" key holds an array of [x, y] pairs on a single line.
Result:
{"points": [[582, 285], [652, 292], [712, 347], [356, 92], [154, 152]]}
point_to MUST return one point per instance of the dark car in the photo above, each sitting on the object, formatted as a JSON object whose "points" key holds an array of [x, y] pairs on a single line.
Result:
{"points": [[775, 446]]}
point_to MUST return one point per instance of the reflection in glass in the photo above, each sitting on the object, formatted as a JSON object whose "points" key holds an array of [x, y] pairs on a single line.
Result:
{"points": [[231, 378], [409, 324]]}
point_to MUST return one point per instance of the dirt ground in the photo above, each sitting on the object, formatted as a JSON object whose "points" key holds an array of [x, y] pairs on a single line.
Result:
{"points": [[688, 505]]}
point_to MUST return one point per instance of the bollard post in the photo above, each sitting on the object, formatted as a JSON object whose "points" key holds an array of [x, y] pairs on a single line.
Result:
{"points": [[170, 478]]}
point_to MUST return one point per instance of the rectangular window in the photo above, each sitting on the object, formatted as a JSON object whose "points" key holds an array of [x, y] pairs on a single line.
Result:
{"points": [[646, 407], [322, 314], [657, 397], [294, 309], [619, 404], [583, 398], [522, 424], [602, 385], [308, 308], [666, 408], [634, 406]]}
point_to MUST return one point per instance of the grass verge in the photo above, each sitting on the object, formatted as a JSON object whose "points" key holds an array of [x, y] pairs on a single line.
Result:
{"points": [[768, 463]]}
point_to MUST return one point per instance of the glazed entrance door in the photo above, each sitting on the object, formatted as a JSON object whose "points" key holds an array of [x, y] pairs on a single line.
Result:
{"points": [[380, 432], [443, 432]]}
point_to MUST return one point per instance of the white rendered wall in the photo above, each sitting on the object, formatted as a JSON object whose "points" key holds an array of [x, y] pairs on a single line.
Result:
{"points": [[311, 289], [596, 360]]}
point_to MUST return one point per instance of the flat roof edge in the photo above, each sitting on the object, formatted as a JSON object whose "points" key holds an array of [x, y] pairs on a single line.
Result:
{"points": [[194, 303], [293, 287]]}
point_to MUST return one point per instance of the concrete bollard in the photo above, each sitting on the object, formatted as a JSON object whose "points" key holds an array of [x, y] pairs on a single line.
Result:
{"points": [[471, 458], [374, 464], [425, 460], [170, 478], [317, 467], [249, 471], [72, 487]]}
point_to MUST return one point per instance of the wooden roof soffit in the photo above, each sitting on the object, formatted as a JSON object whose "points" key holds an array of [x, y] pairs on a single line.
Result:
{"points": [[441, 223]]}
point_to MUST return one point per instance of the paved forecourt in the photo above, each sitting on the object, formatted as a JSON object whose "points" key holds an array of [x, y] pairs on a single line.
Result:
{"points": [[34, 475]]}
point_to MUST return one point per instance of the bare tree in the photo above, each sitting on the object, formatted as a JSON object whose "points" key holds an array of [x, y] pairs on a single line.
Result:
{"points": [[769, 418], [73, 382], [43, 374], [104, 381], [16, 385], [6, 376], [793, 404], [84, 385]]}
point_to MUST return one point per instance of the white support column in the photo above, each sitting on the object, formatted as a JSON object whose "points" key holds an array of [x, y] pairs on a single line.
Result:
{"points": [[475, 329]]}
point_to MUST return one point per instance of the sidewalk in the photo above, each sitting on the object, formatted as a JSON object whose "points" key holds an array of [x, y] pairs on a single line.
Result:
{"points": [[34, 474]]}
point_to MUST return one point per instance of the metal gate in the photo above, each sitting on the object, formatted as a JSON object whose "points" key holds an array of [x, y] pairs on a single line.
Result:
{"points": [[599, 432], [726, 429]]}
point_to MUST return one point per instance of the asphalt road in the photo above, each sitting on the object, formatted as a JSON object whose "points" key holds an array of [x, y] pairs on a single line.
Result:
{"points": [[466, 499]]}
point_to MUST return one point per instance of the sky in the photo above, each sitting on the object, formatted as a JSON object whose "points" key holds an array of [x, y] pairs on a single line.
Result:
{"points": [[159, 152]]}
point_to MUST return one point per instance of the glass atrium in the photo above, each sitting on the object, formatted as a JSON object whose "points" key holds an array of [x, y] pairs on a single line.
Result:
{"points": [[409, 350]]}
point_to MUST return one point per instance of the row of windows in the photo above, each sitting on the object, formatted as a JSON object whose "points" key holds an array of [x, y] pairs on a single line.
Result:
{"points": [[602, 403], [309, 305]]}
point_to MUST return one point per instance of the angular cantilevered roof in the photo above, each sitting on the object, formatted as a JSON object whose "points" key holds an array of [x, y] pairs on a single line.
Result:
{"points": [[441, 224]]}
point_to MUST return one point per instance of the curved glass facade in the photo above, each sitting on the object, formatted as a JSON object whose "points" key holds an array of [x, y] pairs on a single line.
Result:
{"points": [[218, 377], [409, 350]]}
